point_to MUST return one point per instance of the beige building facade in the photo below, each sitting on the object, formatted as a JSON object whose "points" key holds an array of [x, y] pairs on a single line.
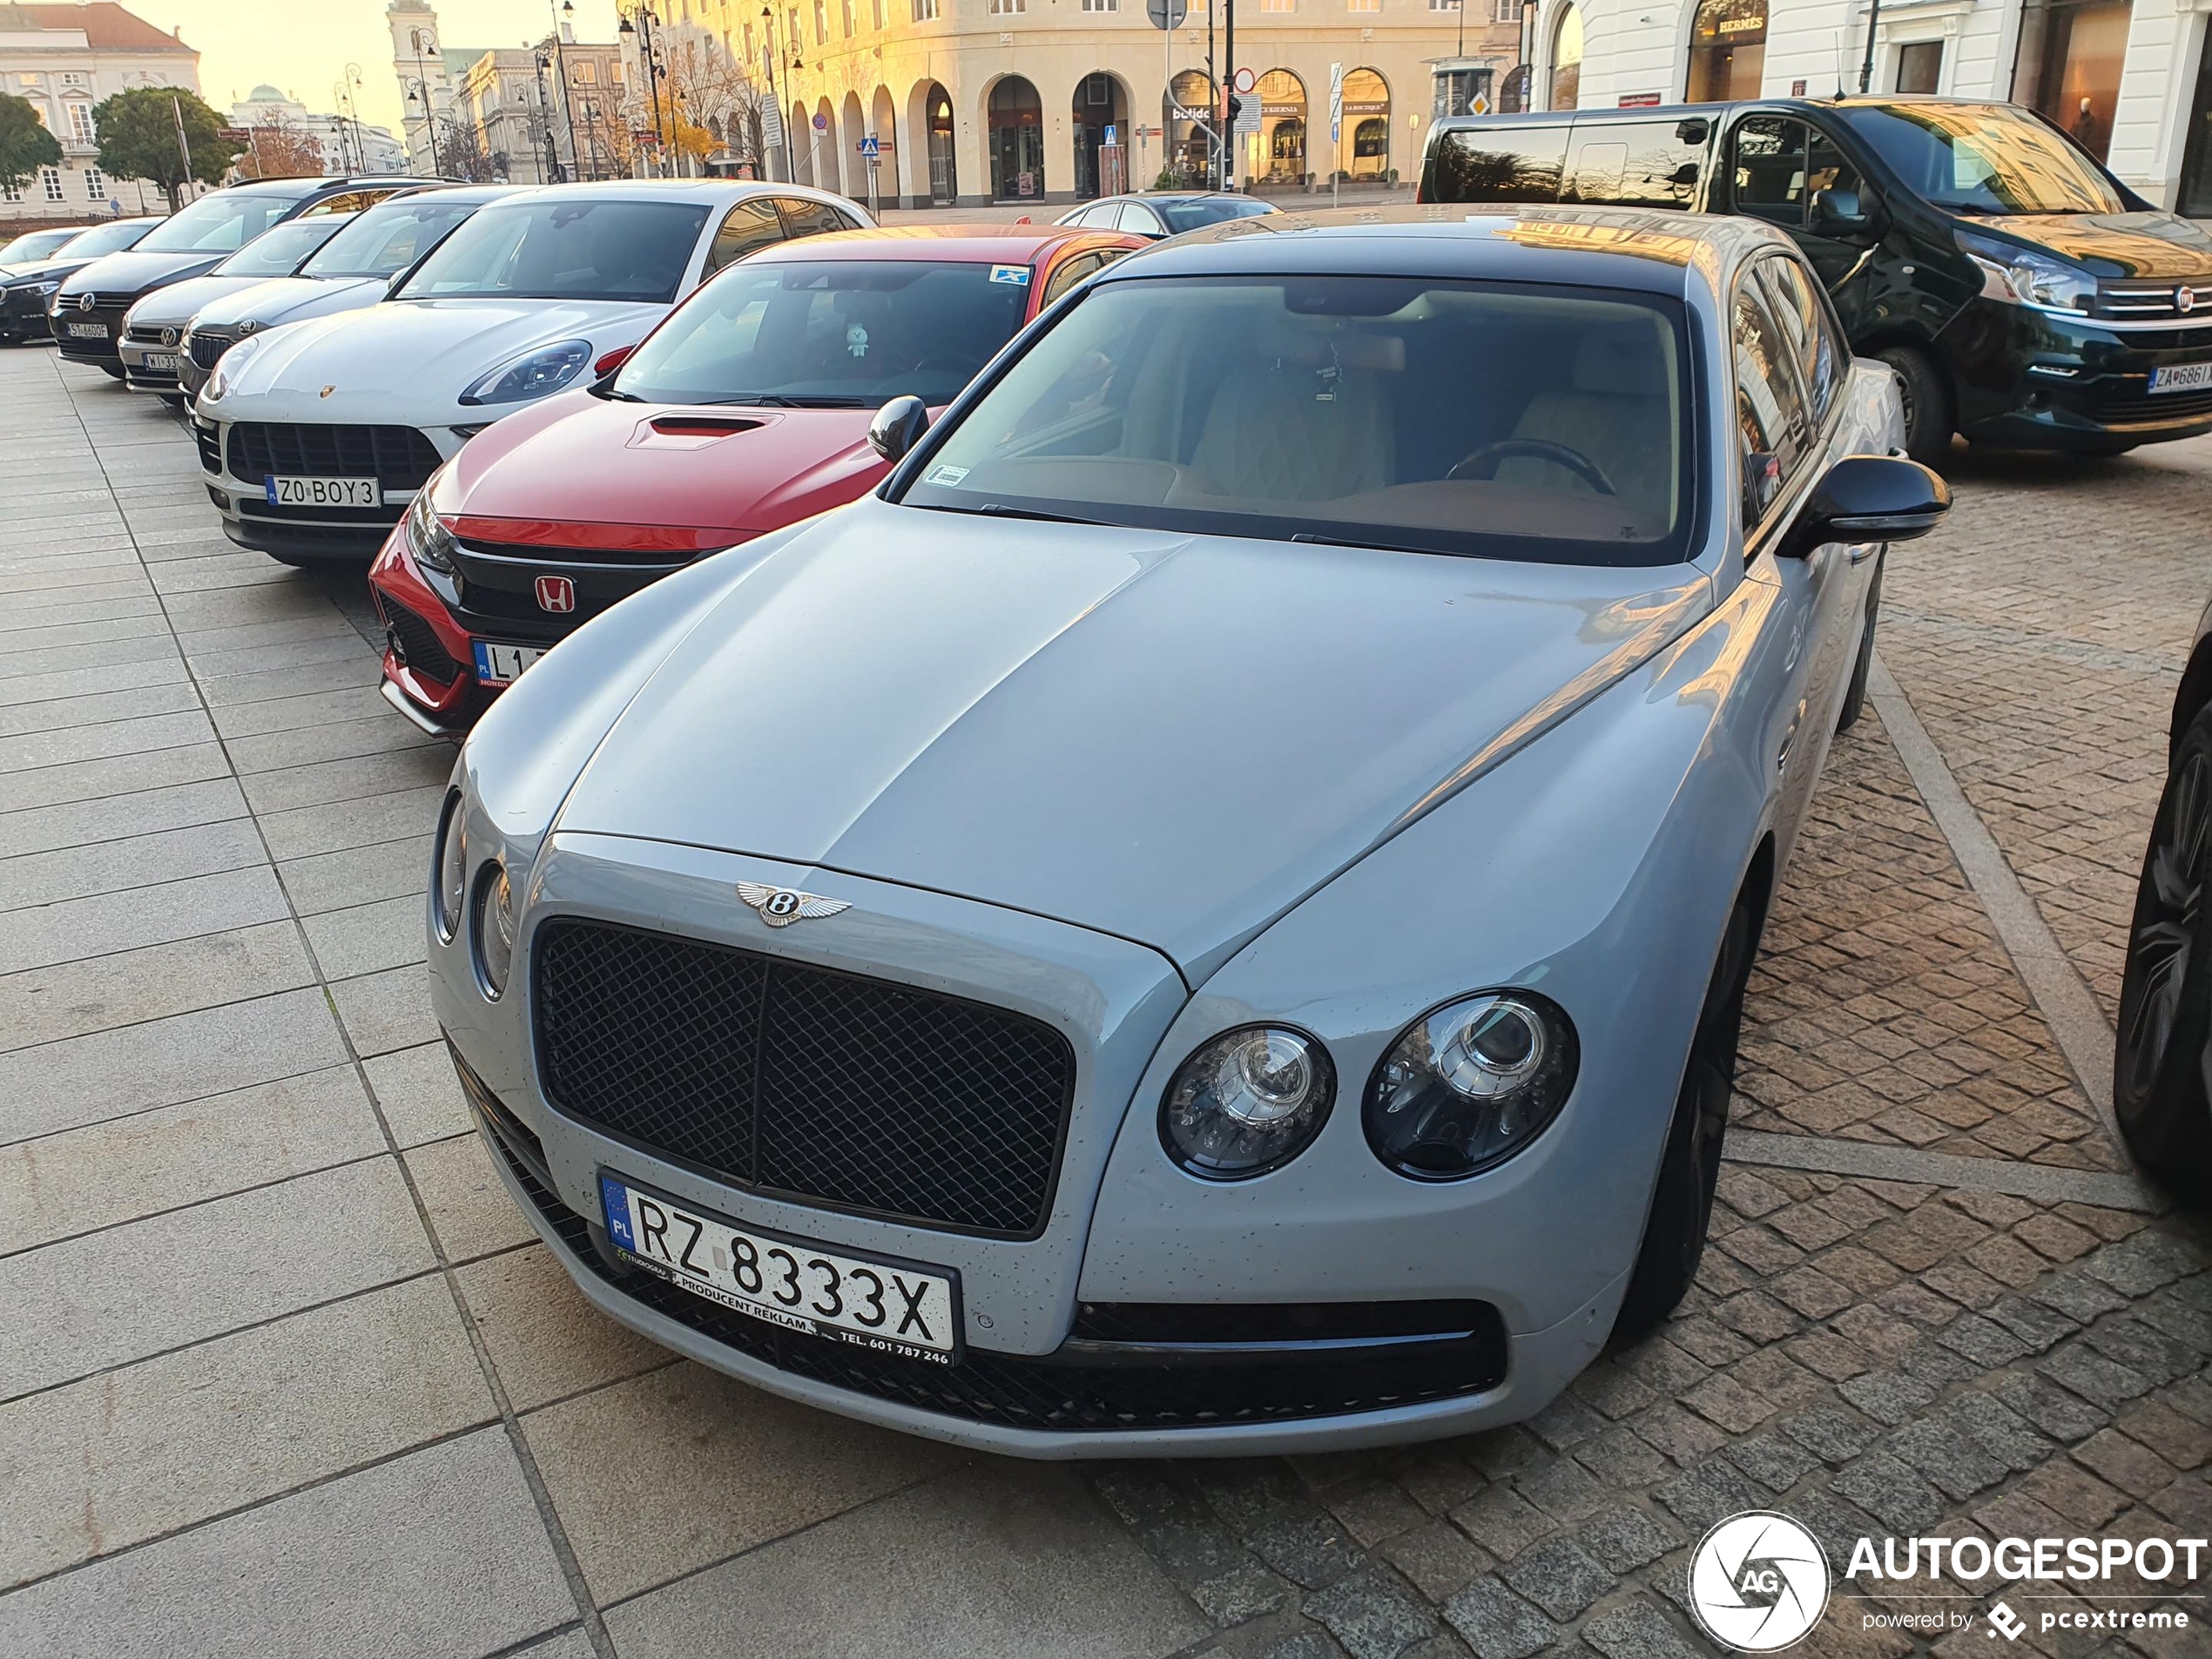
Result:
{"points": [[63, 59], [512, 98], [1054, 101]]}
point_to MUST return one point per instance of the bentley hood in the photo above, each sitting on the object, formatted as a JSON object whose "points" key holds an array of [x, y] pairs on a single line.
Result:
{"points": [[1169, 738], [2148, 246]]}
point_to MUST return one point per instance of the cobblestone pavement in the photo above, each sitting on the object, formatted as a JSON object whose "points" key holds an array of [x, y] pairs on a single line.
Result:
{"points": [[285, 1373]]}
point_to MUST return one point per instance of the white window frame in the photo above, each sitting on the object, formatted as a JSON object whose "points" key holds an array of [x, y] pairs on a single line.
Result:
{"points": [[52, 178]]}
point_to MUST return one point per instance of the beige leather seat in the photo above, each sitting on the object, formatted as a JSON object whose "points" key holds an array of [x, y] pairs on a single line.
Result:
{"points": [[1616, 411], [1294, 425]]}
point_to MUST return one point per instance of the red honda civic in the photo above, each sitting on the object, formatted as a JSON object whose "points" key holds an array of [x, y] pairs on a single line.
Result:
{"points": [[747, 409]]}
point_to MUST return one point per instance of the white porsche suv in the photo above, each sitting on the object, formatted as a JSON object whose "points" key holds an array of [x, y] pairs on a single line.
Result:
{"points": [[316, 435]]}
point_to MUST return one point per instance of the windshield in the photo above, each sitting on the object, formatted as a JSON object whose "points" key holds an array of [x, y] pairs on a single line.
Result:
{"points": [[104, 239], [277, 252], [35, 246], [217, 224], [388, 239], [1985, 158], [1497, 419], [563, 250], [841, 334], [1189, 216]]}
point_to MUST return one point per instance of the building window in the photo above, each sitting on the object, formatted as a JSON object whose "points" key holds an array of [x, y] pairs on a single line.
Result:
{"points": [[821, 23], [878, 14], [1349, 5], [925, 11], [1727, 50], [52, 178], [1567, 62], [1443, 5], [849, 29], [1101, 5], [71, 79], [1920, 66], [587, 73], [749, 59], [1008, 8], [1363, 151], [95, 187], [80, 124], [10, 193], [2069, 64]]}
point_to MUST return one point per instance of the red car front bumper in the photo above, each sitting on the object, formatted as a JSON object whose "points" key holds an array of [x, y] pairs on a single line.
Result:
{"points": [[429, 673]]}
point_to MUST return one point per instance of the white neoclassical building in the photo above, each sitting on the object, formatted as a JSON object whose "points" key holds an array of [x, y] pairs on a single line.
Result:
{"points": [[347, 144], [64, 59], [2131, 78]]}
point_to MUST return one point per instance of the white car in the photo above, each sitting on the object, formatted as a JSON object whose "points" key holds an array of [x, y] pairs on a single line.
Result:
{"points": [[353, 269], [315, 436]]}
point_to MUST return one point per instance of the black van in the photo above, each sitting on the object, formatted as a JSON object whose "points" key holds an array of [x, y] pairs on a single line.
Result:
{"points": [[2023, 295]]}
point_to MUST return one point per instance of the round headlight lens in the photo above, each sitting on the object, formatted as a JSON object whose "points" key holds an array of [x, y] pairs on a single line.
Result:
{"points": [[494, 928], [453, 869], [1247, 1101], [1470, 1084]]}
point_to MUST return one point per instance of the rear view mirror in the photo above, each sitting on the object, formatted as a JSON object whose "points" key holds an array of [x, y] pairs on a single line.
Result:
{"points": [[1870, 498], [1840, 214], [898, 427]]}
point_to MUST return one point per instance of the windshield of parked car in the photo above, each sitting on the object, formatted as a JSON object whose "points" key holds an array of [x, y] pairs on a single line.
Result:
{"points": [[35, 246], [104, 239], [1496, 420], [561, 249], [217, 224], [1212, 210], [277, 252], [1985, 158], [840, 333], [388, 237]]}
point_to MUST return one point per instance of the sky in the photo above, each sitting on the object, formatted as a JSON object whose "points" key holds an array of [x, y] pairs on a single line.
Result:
{"points": [[303, 46]]}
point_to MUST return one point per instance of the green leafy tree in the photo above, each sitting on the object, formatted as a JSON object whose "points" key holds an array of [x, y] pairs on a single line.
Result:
{"points": [[25, 145], [137, 133]]}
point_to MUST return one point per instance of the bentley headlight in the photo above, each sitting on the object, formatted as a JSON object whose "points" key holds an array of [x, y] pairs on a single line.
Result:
{"points": [[2018, 276], [1470, 1084], [1247, 1101], [427, 538], [538, 374], [453, 869], [494, 928]]}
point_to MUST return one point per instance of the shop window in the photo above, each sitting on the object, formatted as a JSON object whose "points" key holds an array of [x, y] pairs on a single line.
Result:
{"points": [[2195, 197], [1364, 150], [1017, 139], [1278, 156], [1727, 50], [2070, 58], [1567, 61]]}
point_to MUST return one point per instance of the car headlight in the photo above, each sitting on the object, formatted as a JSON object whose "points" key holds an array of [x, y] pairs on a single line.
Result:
{"points": [[494, 928], [541, 373], [1249, 1100], [427, 538], [2019, 276], [1467, 1085], [453, 869]]}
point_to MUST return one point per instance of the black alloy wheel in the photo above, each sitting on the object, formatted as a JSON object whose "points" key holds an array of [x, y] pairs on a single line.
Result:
{"points": [[1682, 1201], [1928, 404], [2158, 1085]]}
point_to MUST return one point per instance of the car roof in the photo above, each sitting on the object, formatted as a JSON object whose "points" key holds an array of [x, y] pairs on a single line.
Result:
{"points": [[1628, 247], [703, 191], [455, 193], [978, 244], [1704, 112]]}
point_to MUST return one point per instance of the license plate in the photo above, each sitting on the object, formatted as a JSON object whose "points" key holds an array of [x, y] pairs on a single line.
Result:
{"points": [[498, 665], [321, 492], [85, 330], [2181, 377], [164, 361], [892, 1307]]}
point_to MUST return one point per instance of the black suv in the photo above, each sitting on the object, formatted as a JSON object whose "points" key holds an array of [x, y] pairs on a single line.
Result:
{"points": [[86, 311], [2024, 296]]}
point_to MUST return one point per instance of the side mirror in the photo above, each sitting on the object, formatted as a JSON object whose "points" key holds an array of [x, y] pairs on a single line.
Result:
{"points": [[898, 427], [610, 361], [1841, 214], [1868, 498]]}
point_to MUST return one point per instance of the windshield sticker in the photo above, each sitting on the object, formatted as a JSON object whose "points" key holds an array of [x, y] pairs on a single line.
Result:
{"points": [[1017, 274], [856, 341], [946, 475]]}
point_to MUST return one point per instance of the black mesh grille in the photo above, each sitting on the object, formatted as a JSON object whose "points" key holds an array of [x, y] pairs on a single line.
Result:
{"points": [[2155, 406], [399, 457], [418, 643], [1058, 1391], [828, 1088]]}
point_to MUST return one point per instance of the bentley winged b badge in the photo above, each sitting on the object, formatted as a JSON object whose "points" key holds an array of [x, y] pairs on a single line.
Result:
{"points": [[780, 906]]}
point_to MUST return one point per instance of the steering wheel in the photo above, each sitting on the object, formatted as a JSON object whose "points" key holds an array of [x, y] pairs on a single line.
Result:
{"points": [[1483, 462], [951, 363]]}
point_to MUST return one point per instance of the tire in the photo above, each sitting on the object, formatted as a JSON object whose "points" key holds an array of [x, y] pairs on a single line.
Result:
{"points": [[1927, 403], [1682, 1200], [2158, 1083], [1855, 697]]}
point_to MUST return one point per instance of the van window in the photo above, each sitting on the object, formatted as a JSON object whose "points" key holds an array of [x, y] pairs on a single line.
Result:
{"points": [[1497, 164], [1632, 164], [1778, 163], [1773, 434], [1809, 329]]}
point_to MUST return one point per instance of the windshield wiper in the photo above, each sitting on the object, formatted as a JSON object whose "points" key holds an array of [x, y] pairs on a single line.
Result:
{"points": [[779, 401], [614, 397], [1000, 509]]}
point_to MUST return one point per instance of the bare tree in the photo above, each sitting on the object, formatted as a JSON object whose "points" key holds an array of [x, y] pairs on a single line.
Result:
{"points": [[712, 95], [460, 153], [277, 149]]}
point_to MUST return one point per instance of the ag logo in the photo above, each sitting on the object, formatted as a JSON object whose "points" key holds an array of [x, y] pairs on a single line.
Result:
{"points": [[1758, 1582]]}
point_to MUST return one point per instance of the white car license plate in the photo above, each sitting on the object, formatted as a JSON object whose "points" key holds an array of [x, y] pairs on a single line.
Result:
{"points": [[163, 360], [2181, 377], [892, 1307], [498, 665], [85, 330], [321, 492]]}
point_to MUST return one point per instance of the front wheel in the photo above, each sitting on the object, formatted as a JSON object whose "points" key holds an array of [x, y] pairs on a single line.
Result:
{"points": [[1927, 403], [1681, 1203], [1855, 696], [2158, 1085]]}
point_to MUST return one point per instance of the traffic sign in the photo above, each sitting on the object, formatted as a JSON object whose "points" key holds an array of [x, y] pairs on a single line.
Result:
{"points": [[1167, 14], [1242, 81], [1113, 135], [870, 146], [821, 122], [1336, 103]]}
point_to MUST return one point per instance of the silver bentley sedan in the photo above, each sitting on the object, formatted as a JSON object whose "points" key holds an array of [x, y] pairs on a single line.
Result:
{"points": [[1208, 915]]}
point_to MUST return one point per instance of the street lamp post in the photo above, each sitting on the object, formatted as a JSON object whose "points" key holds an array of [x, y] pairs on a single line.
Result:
{"points": [[652, 73], [775, 92], [545, 116], [338, 120], [416, 39], [562, 18]]}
